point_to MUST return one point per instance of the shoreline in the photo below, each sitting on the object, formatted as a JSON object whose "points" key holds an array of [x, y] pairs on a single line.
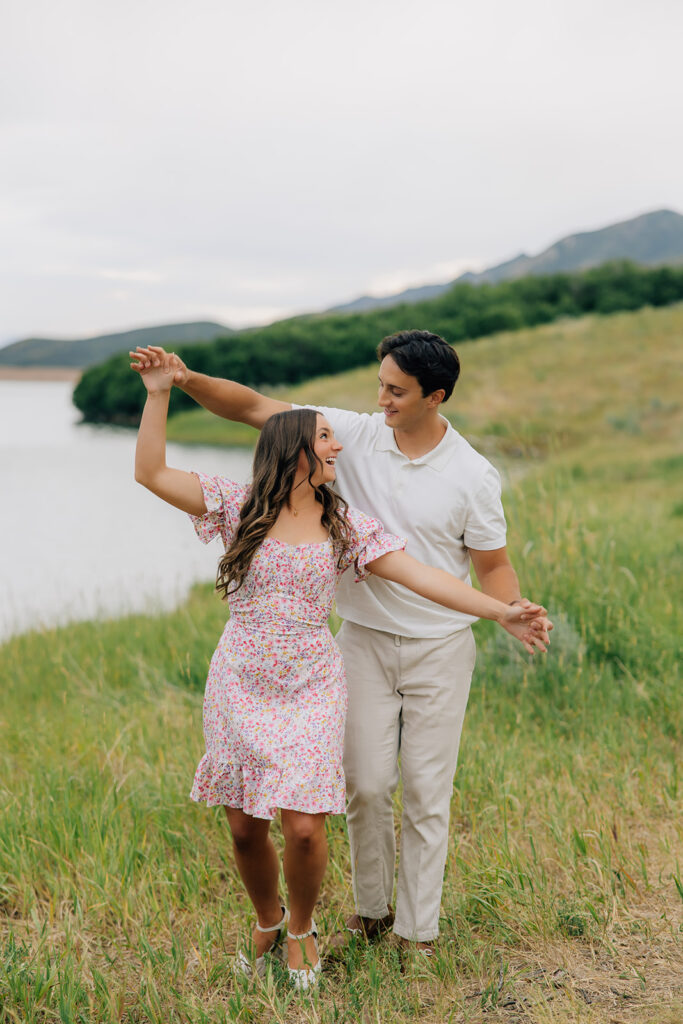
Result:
{"points": [[41, 373], [153, 607]]}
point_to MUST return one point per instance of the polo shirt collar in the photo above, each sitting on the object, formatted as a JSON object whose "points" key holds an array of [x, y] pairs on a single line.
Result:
{"points": [[438, 458]]}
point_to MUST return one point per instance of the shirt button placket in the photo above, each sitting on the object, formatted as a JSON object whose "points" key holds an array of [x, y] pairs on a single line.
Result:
{"points": [[400, 477]]}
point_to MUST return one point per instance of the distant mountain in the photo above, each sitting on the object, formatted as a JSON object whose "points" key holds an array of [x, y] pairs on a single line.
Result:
{"points": [[417, 294], [87, 351], [651, 239]]}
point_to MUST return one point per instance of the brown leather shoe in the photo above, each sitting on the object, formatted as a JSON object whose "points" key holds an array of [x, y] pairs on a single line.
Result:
{"points": [[369, 928], [425, 949]]}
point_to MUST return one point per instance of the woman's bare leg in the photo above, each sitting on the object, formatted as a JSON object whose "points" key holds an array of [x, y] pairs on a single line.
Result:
{"points": [[257, 863], [304, 862]]}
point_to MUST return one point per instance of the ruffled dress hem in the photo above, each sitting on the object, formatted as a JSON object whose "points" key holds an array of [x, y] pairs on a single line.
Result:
{"points": [[261, 793]]}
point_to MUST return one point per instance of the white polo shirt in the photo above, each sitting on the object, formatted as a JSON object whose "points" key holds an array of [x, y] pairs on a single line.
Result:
{"points": [[443, 503]]}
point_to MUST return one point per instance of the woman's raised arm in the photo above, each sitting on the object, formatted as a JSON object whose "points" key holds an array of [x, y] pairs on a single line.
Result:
{"points": [[522, 620], [175, 486], [225, 398]]}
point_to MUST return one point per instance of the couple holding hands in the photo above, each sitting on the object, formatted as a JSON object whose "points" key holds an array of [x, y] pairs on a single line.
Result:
{"points": [[298, 721]]}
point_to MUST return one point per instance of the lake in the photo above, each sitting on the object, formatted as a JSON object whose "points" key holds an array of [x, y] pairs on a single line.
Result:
{"points": [[78, 537]]}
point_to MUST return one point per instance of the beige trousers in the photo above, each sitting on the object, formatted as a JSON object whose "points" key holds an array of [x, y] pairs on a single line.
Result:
{"points": [[407, 697]]}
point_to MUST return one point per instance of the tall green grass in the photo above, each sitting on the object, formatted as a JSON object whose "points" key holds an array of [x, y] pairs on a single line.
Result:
{"points": [[563, 898]]}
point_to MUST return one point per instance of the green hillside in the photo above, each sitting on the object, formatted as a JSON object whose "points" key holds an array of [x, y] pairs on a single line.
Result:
{"points": [[299, 349], [596, 381], [120, 899]]}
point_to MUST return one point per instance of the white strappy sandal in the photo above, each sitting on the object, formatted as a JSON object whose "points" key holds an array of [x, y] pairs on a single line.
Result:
{"points": [[248, 967], [305, 977]]}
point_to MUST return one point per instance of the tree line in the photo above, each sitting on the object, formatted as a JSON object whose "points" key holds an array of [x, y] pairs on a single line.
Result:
{"points": [[297, 349]]}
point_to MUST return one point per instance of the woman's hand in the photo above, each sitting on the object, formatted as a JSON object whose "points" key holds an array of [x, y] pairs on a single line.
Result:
{"points": [[159, 369], [528, 623]]}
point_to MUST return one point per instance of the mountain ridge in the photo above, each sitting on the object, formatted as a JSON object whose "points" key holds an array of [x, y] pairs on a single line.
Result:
{"points": [[88, 351], [649, 239]]}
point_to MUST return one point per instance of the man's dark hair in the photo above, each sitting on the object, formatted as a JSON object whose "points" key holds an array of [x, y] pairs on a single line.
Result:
{"points": [[425, 356]]}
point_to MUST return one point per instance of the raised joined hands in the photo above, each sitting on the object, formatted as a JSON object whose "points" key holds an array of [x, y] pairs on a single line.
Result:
{"points": [[158, 368]]}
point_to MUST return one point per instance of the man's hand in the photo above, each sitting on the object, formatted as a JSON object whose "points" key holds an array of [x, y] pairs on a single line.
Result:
{"points": [[544, 625], [528, 623], [154, 356]]}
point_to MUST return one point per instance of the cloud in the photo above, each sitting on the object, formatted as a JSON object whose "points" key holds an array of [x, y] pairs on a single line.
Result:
{"points": [[136, 276]]}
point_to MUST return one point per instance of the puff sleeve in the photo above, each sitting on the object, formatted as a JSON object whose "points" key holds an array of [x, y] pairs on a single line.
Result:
{"points": [[369, 541], [224, 499]]}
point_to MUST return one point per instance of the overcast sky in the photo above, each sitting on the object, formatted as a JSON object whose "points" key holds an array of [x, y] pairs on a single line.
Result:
{"points": [[167, 161]]}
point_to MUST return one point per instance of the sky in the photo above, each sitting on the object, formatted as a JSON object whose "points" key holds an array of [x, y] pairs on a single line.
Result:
{"points": [[166, 161]]}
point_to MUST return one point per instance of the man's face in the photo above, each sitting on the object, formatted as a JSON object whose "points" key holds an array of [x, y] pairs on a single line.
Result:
{"points": [[400, 397]]}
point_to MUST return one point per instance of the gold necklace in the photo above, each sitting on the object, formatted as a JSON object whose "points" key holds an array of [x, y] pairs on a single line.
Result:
{"points": [[295, 512]]}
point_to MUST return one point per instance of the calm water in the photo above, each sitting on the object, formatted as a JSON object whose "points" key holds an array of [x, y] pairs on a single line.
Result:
{"points": [[78, 537]]}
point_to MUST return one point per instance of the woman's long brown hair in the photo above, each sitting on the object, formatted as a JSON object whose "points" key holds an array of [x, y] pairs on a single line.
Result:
{"points": [[283, 437]]}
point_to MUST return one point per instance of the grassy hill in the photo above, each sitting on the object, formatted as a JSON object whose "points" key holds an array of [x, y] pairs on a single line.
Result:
{"points": [[299, 349], [563, 898], [593, 382]]}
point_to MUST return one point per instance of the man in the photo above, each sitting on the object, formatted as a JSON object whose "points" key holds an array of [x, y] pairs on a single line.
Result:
{"points": [[408, 662]]}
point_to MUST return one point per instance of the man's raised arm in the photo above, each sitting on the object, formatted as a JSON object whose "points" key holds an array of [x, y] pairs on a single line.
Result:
{"points": [[224, 398]]}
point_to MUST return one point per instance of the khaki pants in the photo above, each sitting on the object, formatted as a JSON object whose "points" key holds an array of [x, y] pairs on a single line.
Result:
{"points": [[406, 697]]}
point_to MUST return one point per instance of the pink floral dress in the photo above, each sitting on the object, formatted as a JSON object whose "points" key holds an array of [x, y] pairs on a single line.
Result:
{"points": [[275, 700]]}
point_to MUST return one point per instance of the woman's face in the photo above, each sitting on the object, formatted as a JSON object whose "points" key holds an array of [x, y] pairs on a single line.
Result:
{"points": [[326, 447]]}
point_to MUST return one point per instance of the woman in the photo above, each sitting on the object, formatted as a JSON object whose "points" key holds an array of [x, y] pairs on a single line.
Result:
{"points": [[275, 698]]}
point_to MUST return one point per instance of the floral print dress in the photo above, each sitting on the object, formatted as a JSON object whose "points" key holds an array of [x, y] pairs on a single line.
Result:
{"points": [[275, 700]]}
